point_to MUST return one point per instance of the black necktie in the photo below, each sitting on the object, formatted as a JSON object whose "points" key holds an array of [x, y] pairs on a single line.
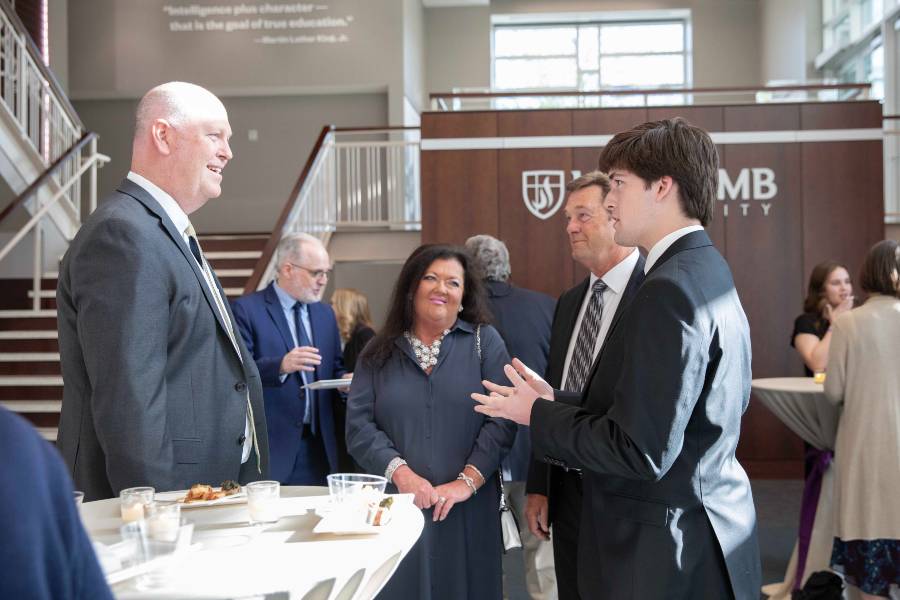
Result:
{"points": [[195, 250]]}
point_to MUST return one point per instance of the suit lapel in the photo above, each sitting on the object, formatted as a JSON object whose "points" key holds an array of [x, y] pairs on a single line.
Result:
{"points": [[143, 196], [273, 307], [694, 239], [571, 311]]}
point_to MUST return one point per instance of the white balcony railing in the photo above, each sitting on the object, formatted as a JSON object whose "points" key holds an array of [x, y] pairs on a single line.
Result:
{"points": [[355, 178]]}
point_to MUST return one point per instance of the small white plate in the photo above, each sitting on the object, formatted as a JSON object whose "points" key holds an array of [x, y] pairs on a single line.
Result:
{"points": [[329, 384], [176, 496]]}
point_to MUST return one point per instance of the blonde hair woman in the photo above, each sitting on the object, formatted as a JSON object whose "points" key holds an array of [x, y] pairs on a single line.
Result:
{"points": [[354, 322]]}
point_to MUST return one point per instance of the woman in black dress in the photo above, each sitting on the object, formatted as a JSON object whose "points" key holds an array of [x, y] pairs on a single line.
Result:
{"points": [[410, 416], [830, 293], [354, 323]]}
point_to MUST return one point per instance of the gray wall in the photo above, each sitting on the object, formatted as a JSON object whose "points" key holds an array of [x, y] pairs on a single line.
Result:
{"points": [[458, 48], [260, 177], [791, 36]]}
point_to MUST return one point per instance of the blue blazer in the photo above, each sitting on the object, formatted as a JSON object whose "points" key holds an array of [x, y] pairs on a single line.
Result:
{"points": [[46, 553], [264, 328]]}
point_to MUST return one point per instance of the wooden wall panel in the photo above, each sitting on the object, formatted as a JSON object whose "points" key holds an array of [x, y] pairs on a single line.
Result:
{"points": [[840, 115], [534, 122], [773, 117], [459, 195], [606, 121], [709, 118], [763, 251], [457, 125], [539, 249], [843, 206]]}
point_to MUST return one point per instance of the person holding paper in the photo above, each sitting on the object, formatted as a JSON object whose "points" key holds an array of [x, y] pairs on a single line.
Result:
{"points": [[293, 337]]}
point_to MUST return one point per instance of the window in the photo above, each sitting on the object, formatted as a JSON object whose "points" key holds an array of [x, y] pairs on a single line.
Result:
{"points": [[589, 56]]}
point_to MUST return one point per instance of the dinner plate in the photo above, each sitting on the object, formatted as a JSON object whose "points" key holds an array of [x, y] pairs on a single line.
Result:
{"points": [[329, 384], [239, 498]]}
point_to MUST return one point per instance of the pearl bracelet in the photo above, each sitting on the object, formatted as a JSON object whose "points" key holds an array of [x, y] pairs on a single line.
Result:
{"points": [[469, 482]]}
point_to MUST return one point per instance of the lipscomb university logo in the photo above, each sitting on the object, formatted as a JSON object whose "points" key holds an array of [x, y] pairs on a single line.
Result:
{"points": [[543, 191]]}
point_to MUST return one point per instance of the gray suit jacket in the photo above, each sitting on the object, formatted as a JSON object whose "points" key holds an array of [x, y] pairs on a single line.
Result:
{"points": [[154, 392]]}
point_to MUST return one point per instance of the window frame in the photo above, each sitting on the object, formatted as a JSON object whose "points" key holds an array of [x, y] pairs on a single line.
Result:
{"points": [[599, 21]]}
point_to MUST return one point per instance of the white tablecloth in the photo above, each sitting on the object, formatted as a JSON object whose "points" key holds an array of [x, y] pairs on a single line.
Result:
{"points": [[234, 560], [800, 403]]}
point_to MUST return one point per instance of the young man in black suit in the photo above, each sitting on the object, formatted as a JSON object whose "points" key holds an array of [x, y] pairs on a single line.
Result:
{"points": [[668, 511], [554, 494]]}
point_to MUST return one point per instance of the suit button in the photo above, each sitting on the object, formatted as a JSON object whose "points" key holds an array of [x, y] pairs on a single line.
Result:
{"points": [[242, 439], [240, 386]]}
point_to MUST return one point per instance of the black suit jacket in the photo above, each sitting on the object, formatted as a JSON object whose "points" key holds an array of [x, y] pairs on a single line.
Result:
{"points": [[668, 511], [543, 478]]}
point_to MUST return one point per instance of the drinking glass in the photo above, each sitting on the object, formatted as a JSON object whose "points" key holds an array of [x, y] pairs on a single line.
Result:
{"points": [[262, 501], [133, 502], [156, 549], [79, 497]]}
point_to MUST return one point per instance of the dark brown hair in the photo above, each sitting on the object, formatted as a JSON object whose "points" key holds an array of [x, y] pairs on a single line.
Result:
{"points": [[815, 292], [675, 148], [598, 178], [878, 269], [401, 312]]}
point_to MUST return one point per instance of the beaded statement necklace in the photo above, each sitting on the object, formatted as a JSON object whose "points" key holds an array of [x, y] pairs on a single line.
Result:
{"points": [[426, 355]]}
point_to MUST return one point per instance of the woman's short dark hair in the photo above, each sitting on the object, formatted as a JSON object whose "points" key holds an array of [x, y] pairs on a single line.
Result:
{"points": [[815, 292], [882, 262], [675, 148], [401, 312]]}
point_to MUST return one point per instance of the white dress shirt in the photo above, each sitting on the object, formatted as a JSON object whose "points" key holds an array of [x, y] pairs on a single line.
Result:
{"points": [[182, 222], [616, 280], [662, 245]]}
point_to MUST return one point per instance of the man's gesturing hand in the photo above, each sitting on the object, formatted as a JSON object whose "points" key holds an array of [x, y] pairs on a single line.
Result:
{"points": [[301, 358], [513, 403]]}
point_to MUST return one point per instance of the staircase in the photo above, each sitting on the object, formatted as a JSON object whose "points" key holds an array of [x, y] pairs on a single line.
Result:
{"points": [[30, 379]]}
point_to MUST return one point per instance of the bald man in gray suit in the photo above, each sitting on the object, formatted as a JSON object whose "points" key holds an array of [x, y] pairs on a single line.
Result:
{"points": [[159, 389]]}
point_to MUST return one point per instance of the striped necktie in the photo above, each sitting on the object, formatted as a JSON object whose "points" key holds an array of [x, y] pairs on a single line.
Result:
{"points": [[583, 355]]}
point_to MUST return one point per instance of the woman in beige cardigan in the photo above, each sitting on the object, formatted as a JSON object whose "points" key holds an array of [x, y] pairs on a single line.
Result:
{"points": [[864, 376]]}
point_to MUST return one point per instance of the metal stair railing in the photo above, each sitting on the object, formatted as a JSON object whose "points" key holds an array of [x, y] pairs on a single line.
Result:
{"points": [[34, 101], [354, 178], [40, 208], [33, 104]]}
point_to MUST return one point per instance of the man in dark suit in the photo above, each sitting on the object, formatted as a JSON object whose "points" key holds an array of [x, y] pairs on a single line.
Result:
{"points": [[668, 511], [294, 340], [554, 493], [512, 307], [159, 388], [45, 554]]}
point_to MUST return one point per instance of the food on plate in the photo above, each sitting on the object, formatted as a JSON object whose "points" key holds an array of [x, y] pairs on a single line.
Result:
{"points": [[380, 513], [201, 492]]}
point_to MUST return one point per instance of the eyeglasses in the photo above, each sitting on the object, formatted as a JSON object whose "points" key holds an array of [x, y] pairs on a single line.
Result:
{"points": [[320, 274]]}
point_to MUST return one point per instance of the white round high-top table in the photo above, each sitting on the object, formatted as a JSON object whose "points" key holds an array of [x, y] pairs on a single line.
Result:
{"points": [[231, 559], [800, 403]]}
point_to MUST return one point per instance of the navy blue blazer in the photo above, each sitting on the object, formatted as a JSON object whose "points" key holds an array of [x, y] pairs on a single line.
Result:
{"points": [[522, 317], [45, 553], [261, 322]]}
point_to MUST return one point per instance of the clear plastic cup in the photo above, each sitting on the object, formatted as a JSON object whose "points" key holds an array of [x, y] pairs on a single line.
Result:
{"points": [[343, 487], [262, 501], [133, 502]]}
